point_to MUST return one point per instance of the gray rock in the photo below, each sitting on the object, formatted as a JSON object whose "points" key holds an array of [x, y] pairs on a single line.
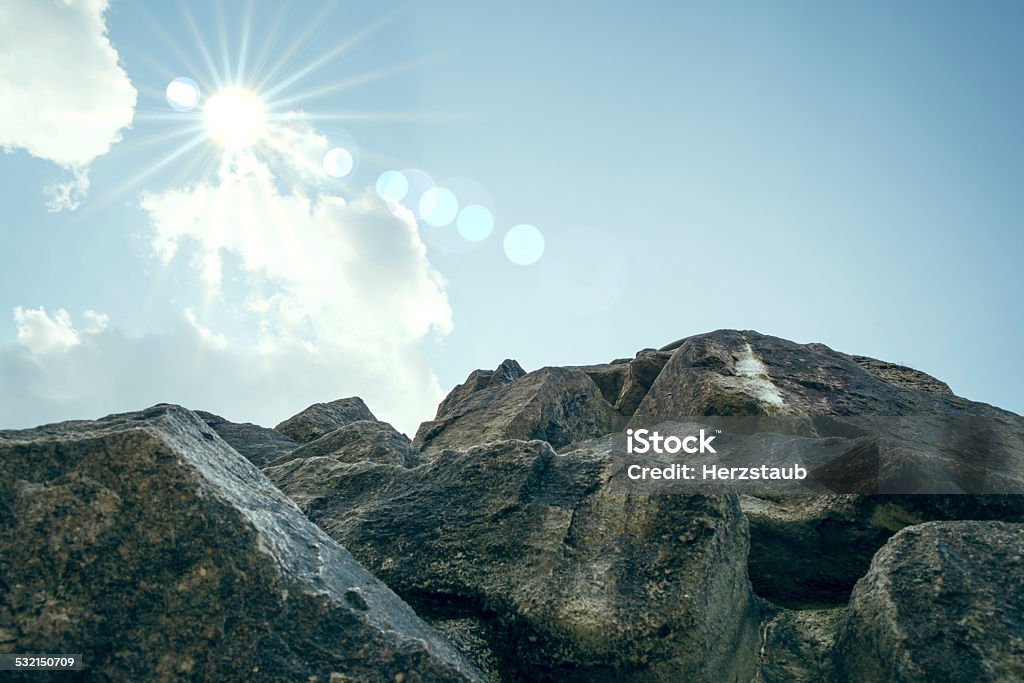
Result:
{"points": [[362, 441], [797, 646], [359, 442], [624, 382], [893, 373], [323, 418], [557, 405], [609, 378], [643, 371], [148, 545], [808, 551], [746, 373], [506, 373], [941, 602], [259, 444], [564, 578]]}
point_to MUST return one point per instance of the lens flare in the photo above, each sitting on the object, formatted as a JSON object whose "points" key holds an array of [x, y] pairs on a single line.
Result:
{"points": [[338, 162], [524, 245], [392, 186], [183, 94], [475, 223], [438, 206]]}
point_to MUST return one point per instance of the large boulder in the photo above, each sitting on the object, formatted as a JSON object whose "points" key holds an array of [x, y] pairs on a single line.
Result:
{"points": [[809, 550], [148, 545], [306, 468], [323, 418], [259, 444], [729, 372], [941, 602], [557, 405], [561, 575], [363, 441]]}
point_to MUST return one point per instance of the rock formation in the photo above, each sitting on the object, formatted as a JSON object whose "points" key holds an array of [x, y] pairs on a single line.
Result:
{"points": [[323, 418], [569, 580], [146, 544], [506, 526], [259, 444], [558, 405], [941, 601]]}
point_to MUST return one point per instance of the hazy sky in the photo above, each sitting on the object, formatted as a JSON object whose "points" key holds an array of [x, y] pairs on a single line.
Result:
{"points": [[848, 173]]}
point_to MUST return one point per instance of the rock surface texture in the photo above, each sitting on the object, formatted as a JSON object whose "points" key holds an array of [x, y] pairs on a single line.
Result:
{"points": [[259, 445], [506, 526], [942, 601], [568, 579], [558, 405], [145, 543], [322, 418]]}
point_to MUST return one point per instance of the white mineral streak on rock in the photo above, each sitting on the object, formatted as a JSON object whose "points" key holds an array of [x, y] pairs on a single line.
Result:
{"points": [[756, 379]]}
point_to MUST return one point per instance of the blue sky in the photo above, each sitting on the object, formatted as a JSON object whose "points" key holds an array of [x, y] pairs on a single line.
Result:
{"points": [[844, 173]]}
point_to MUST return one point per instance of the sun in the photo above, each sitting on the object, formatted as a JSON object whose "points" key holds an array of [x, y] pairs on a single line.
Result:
{"points": [[235, 117]]}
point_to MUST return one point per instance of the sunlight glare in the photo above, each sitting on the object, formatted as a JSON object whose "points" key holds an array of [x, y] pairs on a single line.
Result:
{"points": [[235, 117]]}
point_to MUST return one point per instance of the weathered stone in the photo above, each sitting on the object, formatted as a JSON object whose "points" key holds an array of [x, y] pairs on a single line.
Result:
{"points": [[569, 579], [148, 545], [369, 442], [811, 550], [899, 375], [259, 444], [323, 418], [362, 441], [506, 373], [941, 602], [643, 371], [558, 405], [796, 646], [746, 373], [609, 378], [624, 382]]}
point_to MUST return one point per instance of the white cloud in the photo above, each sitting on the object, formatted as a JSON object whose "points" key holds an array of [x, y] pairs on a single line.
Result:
{"points": [[65, 96], [350, 276], [56, 371], [335, 299], [324, 298], [40, 334], [68, 194]]}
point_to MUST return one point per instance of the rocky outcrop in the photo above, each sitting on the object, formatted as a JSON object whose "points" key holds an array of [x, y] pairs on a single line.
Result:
{"points": [[557, 405], [148, 545], [318, 461], [506, 373], [322, 418], [746, 373], [624, 382], [259, 444], [893, 373], [509, 526], [566, 578], [811, 550], [362, 441], [941, 602]]}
